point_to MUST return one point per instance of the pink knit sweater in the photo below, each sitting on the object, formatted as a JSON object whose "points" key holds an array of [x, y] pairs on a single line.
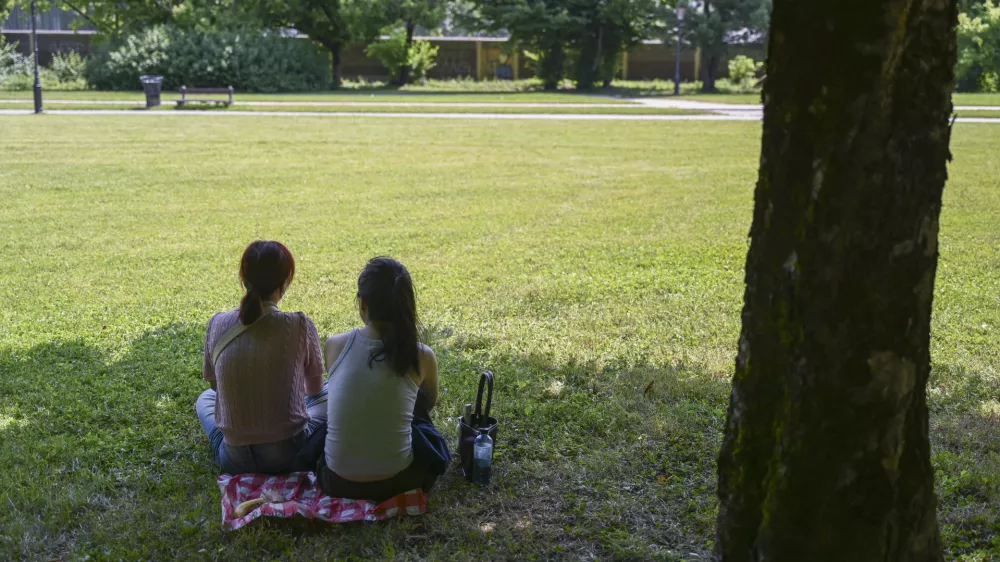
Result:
{"points": [[261, 376]]}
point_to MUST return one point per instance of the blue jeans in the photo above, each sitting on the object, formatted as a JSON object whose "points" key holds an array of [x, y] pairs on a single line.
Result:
{"points": [[300, 452]]}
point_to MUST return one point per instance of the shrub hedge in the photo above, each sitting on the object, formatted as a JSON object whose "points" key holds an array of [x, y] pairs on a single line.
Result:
{"points": [[248, 60]]}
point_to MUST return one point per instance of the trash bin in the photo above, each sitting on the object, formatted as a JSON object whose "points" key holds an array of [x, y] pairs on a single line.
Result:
{"points": [[152, 85]]}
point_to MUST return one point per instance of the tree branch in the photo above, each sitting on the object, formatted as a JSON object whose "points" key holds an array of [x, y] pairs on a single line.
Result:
{"points": [[83, 15]]}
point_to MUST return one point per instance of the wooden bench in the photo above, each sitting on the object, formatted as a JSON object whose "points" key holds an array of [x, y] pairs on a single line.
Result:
{"points": [[205, 92]]}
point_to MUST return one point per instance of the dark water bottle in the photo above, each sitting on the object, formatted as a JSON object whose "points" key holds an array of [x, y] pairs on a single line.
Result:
{"points": [[482, 459]]}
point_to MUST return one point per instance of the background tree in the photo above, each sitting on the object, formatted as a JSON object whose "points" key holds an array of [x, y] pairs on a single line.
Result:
{"points": [[978, 67], [968, 6], [111, 18], [409, 14], [721, 22], [415, 59], [542, 27], [605, 28], [826, 454], [325, 21]]}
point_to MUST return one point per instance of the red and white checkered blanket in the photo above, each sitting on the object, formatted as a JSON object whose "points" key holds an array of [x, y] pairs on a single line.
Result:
{"points": [[302, 496]]}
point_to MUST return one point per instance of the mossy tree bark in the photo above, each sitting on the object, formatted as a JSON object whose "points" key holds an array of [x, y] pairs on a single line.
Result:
{"points": [[826, 453]]}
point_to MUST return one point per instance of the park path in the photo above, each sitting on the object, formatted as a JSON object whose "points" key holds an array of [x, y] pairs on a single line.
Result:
{"points": [[733, 109], [746, 115], [692, 105], [473, 116]]}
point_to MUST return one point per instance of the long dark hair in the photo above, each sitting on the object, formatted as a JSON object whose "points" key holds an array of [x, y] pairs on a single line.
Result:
{"points": [[386, 288], [265, 267]]}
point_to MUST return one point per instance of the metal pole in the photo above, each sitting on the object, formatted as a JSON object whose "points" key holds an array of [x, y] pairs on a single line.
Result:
{"points": [[34, 42], [677, 63]]}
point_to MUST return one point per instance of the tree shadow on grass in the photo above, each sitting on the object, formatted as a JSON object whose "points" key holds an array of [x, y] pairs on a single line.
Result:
{"points": [[105, 457], [965, 440], [103, 441]]}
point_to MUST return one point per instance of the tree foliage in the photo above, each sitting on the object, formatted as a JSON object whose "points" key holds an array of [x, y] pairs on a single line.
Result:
{"points": [[408, 15], [113, 18], [541, 27], [5, 8], [978, 67], [324, 21], [415, 58], [719, 23], [590, 33], [605, 28]]}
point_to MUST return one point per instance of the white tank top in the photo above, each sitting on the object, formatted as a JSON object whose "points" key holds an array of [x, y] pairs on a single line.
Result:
{"points": [[369, 414]]}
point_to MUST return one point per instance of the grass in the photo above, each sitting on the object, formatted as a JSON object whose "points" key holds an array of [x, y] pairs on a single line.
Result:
{"points": [[978, 113], [754, 98], [624, 110], [580, 261], [347, 95]]}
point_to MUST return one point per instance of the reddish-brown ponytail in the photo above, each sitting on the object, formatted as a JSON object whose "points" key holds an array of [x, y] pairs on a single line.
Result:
{"points": [[266, 267]]}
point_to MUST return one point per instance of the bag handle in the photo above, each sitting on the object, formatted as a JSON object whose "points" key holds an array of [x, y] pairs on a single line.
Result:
{"points": [[486, 377], [237, 330]]}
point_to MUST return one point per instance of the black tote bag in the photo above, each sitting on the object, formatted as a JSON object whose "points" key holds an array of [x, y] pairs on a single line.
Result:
{"points": [[481, 419]]}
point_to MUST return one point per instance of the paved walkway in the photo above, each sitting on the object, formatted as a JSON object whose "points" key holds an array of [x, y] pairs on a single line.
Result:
{"points": [[480, 116], [727, 108], [728, 116], [662, 103], [736, 111]]}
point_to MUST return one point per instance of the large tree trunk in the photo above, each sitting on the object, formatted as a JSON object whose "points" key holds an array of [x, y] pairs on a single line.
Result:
{"points": [[551, 65], [826, 453], [336, 65], [404, 71], [709, 71]]}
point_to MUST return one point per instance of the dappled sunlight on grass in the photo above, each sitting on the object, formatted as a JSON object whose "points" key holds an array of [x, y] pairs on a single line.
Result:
{"points": [[10, 422]]}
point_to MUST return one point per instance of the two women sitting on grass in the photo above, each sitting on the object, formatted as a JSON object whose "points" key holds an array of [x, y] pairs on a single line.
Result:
{"points": [[366, 431]]}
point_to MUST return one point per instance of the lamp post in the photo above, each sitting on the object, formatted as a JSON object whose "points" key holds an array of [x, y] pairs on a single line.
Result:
{"points": [[34, 43], [677, 62]]}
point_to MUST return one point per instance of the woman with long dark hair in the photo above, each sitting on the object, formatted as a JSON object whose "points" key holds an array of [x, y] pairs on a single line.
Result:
{"points": [[382, 385], [266, 410]]}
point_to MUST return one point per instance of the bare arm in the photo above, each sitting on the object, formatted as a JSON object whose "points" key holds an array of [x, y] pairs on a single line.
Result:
{"points": [[314, 385], [314, 358], [429, 374], [333, 348], [208, 367]]}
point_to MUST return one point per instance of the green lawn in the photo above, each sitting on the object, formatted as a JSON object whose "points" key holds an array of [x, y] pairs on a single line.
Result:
{"points": [[978, 113], [957, 99], [346, 95], [623, 110], [586, 263]]}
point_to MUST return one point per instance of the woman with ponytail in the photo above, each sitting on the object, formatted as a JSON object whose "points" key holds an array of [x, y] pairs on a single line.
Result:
{"points": [[266, 410], [382, 385]]}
